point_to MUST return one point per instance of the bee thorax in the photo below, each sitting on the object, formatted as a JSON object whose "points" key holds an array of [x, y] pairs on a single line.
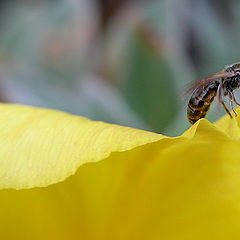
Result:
{"points": [[232, 83]]}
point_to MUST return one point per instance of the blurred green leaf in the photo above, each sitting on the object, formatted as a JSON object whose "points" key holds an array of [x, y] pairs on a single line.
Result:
{"points": [[148, 83]]}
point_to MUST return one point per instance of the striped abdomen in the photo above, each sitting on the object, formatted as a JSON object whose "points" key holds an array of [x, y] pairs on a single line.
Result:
{"points": [[200, 101]]}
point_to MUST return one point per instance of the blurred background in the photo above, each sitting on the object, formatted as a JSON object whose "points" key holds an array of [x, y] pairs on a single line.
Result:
{"points": [[119, 61]]}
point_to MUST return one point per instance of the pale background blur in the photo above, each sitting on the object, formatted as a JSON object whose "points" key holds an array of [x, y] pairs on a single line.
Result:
{"points": [[120, 61]]}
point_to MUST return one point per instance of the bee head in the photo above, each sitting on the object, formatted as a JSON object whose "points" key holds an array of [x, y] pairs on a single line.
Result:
{"points": [[233, 68]]}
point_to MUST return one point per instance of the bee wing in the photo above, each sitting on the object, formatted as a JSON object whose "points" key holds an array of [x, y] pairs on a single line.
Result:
{"points": [[205, 81]]}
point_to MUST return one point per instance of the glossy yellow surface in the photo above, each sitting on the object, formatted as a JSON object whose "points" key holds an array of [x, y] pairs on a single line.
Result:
{"points": [[125, 184]]}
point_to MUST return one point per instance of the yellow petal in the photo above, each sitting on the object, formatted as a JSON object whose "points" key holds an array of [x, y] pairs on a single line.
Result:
{"points": [[230, 126], [41, 147], [150, 187]]}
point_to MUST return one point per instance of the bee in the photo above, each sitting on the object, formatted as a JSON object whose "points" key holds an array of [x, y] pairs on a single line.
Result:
{"points": [[220, 85]]}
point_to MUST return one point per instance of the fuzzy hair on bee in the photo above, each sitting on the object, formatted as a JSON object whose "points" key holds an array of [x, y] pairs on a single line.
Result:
{"points": [[220, 85]]}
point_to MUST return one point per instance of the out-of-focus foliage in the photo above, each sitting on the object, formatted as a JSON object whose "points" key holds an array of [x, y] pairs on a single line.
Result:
{"points": [[125, 62]]}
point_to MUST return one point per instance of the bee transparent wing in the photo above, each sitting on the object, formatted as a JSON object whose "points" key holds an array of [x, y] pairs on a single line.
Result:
{"points": [[204, 82]]}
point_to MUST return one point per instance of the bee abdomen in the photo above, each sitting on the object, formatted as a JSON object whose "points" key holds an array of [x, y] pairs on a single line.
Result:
{"points": [[194, 114], [200, 103]]}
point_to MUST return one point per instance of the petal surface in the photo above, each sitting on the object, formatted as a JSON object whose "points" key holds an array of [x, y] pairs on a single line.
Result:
{"points": [[40, 147], [146, 186]]}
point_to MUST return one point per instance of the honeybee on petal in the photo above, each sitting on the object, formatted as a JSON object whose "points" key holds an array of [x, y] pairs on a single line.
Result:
{"points": [[220, 85]]}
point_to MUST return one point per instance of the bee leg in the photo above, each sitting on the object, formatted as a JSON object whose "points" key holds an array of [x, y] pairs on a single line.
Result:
{"points": [[226, 109], [231, 102], [223, 92], [234, 99]]}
